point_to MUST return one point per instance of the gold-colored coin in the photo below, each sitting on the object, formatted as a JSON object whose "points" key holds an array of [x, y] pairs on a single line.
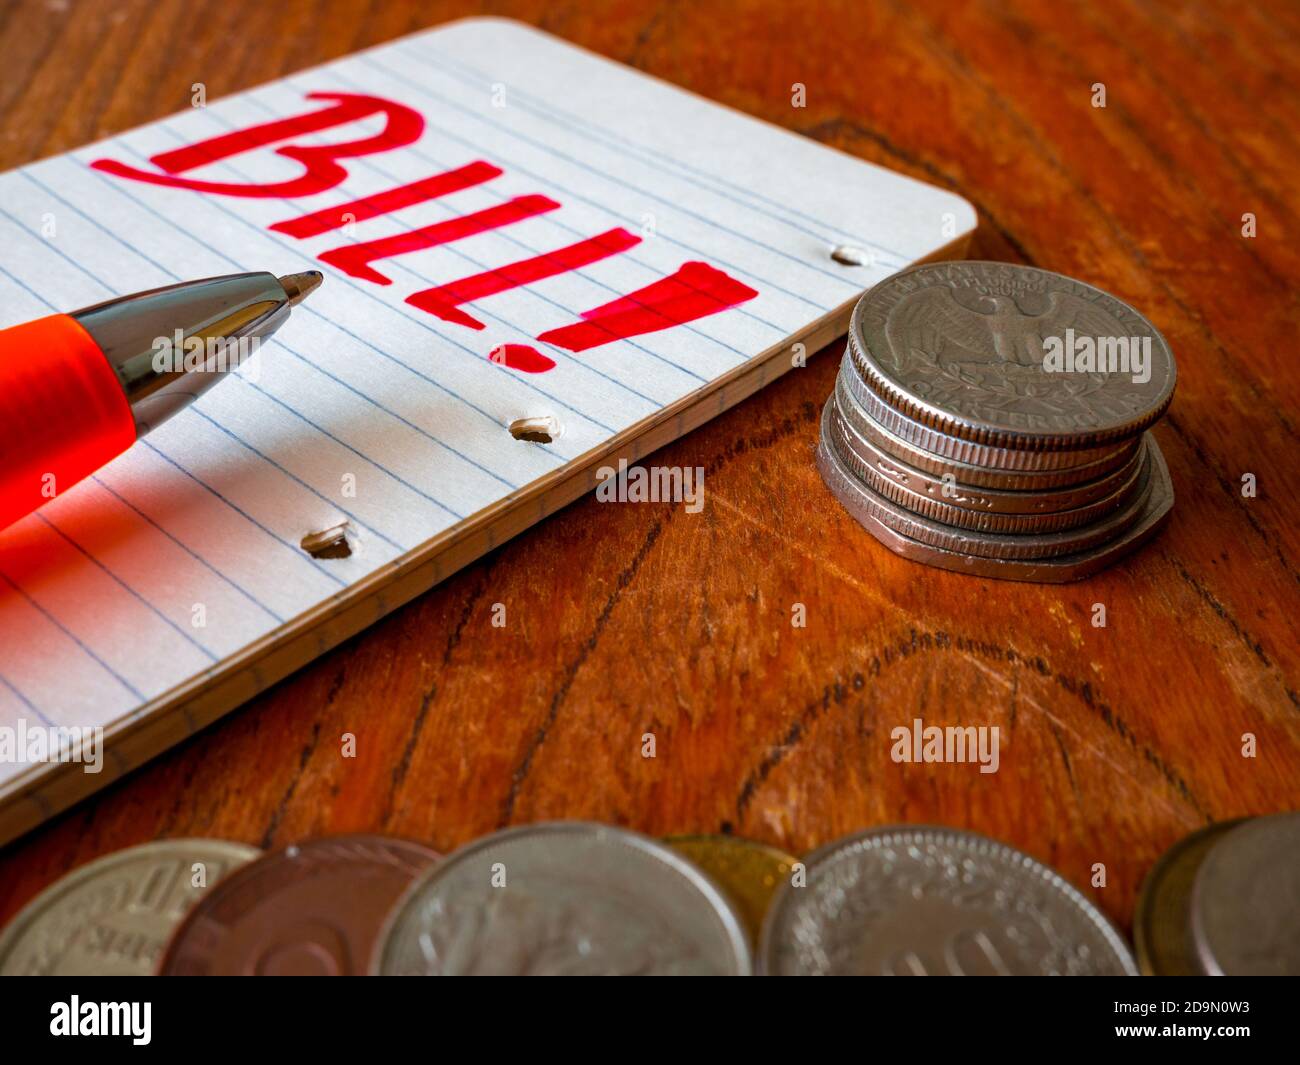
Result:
{"points": [[112, 916], [1162, 930], [748, 872]]}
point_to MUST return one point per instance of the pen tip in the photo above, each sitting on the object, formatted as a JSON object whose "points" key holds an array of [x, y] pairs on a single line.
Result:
{"points": [[299, 286]]}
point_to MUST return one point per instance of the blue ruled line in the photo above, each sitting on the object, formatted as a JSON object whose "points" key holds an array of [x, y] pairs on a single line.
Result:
{"points": [[502, 233], [317, 565], [587, 273], [187, 549], [306, 307], [24, 700], [339, 277], [126, 587], [73, 637], [646, 156], [541, 146], [105, 285]]}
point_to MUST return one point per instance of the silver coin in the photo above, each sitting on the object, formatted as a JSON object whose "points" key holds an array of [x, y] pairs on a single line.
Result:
{"points": [[924, 900], [963, 347], [566, 897], [860, 500], [954, 448], [1246, 900], [1058, 570], [1102, 463], [981, 509], [113, 916]]}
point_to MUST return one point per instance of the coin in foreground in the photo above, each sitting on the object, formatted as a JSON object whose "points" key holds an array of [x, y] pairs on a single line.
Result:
{"points": [[1162, 931], [748, 872], [113, 916], [313, 909], [566, 897], [926, 900], [1246, 900]]}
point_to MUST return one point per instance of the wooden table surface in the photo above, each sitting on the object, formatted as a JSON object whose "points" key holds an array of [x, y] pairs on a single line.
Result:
{"points": [[632, 619]]}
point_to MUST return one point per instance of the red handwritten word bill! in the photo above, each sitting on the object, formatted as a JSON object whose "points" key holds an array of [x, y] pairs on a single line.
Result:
{"points": [[695, 290]]}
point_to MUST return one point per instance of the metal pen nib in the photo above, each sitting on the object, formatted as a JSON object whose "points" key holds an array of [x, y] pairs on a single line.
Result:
{"points": [[170, 345], [299, 286]]}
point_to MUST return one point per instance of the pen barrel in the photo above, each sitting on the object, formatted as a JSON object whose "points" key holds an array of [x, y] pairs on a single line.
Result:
{"points": [[169, 345], [63, 413]]}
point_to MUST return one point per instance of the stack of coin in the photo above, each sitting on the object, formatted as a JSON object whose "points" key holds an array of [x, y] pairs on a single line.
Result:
{"points": [[990, 419], [1224, 901]]}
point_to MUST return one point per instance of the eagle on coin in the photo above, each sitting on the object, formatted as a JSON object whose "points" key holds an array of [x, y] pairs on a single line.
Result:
{"points": [[993, 343]]}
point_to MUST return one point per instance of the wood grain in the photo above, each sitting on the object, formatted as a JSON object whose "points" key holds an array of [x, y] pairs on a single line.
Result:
{"points": [[630, 619]]}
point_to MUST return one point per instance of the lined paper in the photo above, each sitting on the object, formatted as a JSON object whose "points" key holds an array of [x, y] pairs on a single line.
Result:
{"points": [[101, 591]]}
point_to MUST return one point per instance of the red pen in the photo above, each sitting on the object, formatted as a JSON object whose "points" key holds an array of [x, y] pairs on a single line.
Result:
{"points": [[76, 390]]}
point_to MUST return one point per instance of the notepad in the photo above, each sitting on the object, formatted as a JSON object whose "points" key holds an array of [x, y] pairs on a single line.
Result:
{"points": [[514, 233]]}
